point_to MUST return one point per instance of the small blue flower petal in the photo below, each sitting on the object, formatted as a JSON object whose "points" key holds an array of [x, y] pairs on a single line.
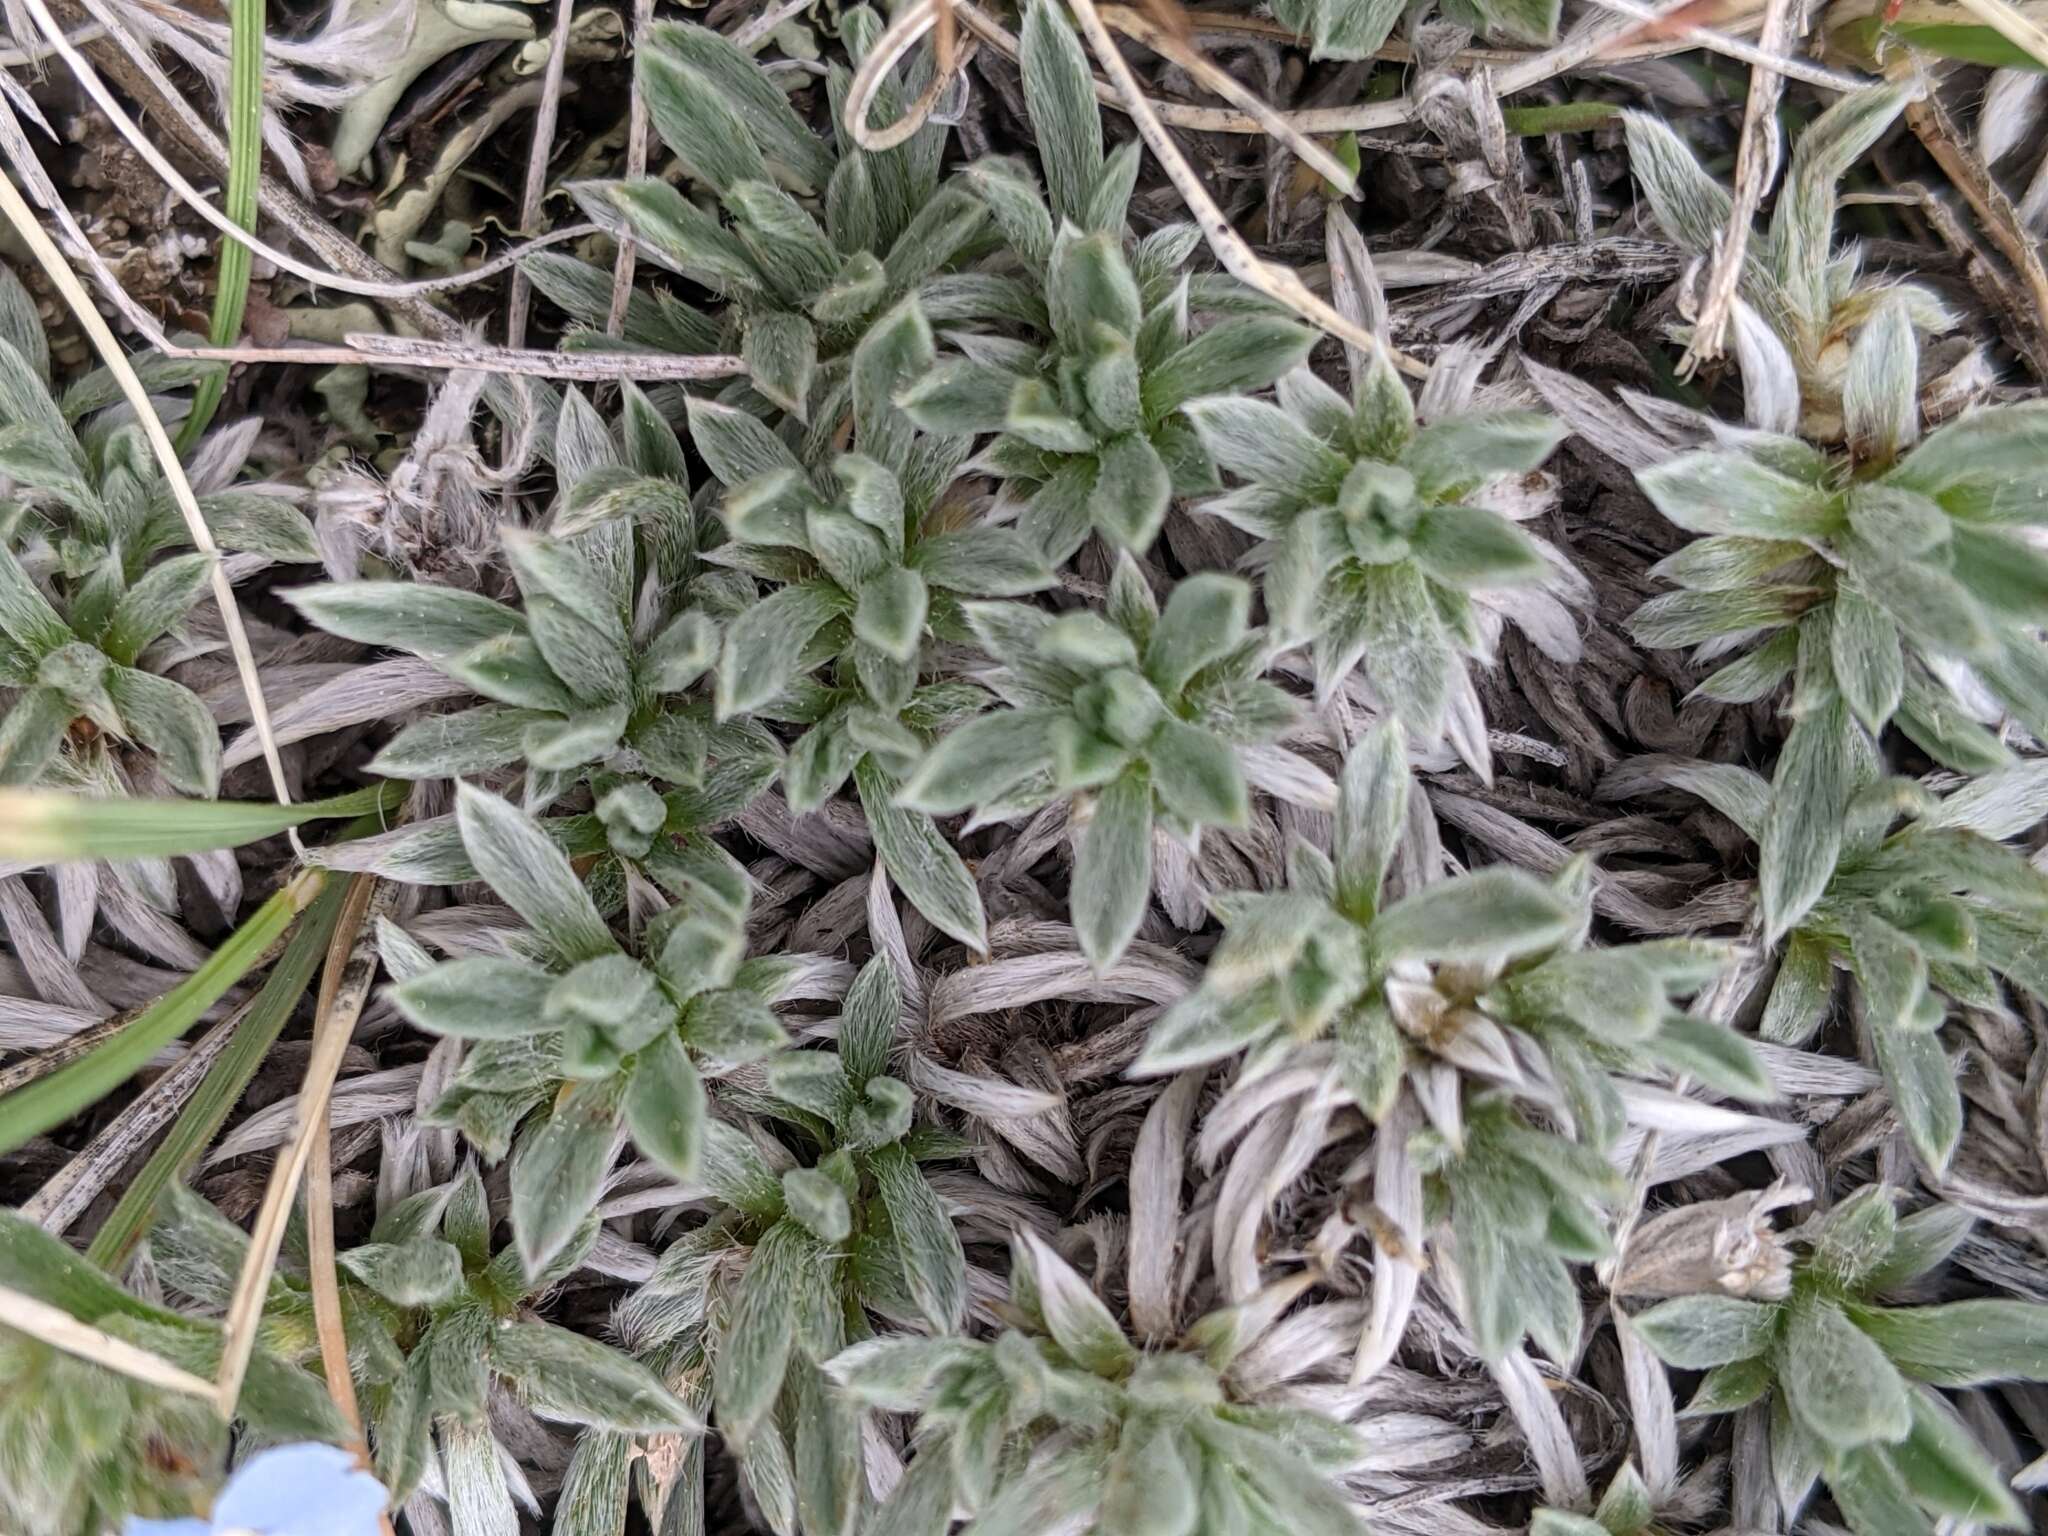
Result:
{"points": [[301, 1490]]}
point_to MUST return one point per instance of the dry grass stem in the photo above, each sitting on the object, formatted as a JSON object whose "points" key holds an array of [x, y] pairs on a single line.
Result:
{"points": [[1757, 162], [69, 1191], [626, 258], [1172, 43], [54, 1326], [1733, 47], [192, 198], [132, 390], [343, 990], [1281, 284], [537, 157], [1931, 123], [42, 1063], [1517, 69]]}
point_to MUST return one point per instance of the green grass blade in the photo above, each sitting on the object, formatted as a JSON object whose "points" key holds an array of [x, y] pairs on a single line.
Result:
{"points": [[50, 1102], [1558, 117], [1963, 41], [48, 827], [245, 172], [221, 1089]]}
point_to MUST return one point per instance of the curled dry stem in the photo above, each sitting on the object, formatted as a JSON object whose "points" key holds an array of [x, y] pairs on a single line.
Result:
{"points": [[950, 56], [937, 17]]}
